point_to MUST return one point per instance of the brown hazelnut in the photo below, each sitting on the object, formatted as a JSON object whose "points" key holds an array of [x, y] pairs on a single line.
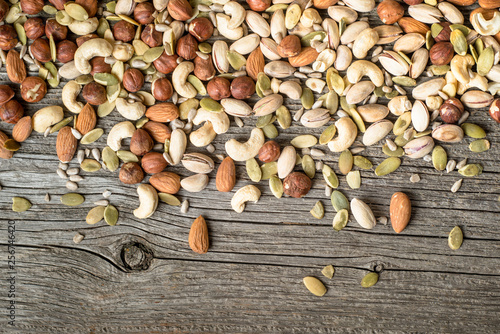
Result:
{"points": [[124, 31], [89, 5], [390, 11], [11, 112], [259, 5], [162, 89], [270, 151], [4, 9], [296, 184], [441, 53], [289, 46], [40, 50], [59, 4], [143, 13], [32, 7], [451, 110], [94, 93], [444, 34], [180, 10], [166, 64], [33, 89], [82, 39], [66, 51], [187, 47], [495, 110], [324, 4], [201, 28], [133, 80], [56, 30], [151, 36], [242, 87], [6, 93], [8, 37], [219, 88], [153, 162], [34, 27], [204, 68], [141, 142], [413, 2], [99, 66], [131, 173]]}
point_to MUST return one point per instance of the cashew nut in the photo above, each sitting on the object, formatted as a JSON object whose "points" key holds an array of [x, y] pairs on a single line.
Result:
{"points": [[360, 68], [86, 27], [477, 81], [486, 27], [224, 30], [244, 151], [236, 12], [219, 120], [90, 49], [179, 80], [291, 89], [347, 132], [69, 93], [123, 51], [69, 71], [203, 136], [148, 199], [118, 132], [460, 66], [132, 111], [364, 42], [248, 193]]}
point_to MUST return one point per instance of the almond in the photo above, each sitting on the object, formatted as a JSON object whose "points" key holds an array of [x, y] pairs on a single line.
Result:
{"points": [[255, 63], [409, 25], [307, 56], [153, 162], [16, 69], [22, 130], [198, 236], [163, 112], [400, 211], [4, 153], [158, 131], [66, 144], [166, 182], [226, 175], [86, 120]]}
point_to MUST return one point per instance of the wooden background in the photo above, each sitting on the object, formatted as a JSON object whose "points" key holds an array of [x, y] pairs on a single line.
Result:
{"points": [[141, 276]]}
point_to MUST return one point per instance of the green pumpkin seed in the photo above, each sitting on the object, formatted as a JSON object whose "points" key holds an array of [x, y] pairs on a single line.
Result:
{"points": [[53, 50], [401, 141], [402, 123], [479, 46], [11, 145], [263, 84], [270, 131], [391, 95], [485, 61], [253, 170], [346, 106], [464, 29], [106, 79], [166, 146], [345, 162], [471, 170], [362, 162], [103, 26], [318, 211], [335, 81], [387, 166], [474, 53], [20, 204], [330, 101], [186, 106], [378, 92], [439, 158], [439, 70], [84, 79], [262, 121], [327, 134], [369, 280], [110, 159], [205, 47], [340, 220], [92, 136], [473, 130], [95, 215], [353, 179], [284, 118], [76, 11], [169, 199], [312, 36], [63, 18], [356, 117], [422, 134], [429, 41], [457, 38], [307, 98], [61, 124], [152, 54], [111, 215], [479, 145], [328, 271], [404, 81], [292, 15], [54, 82], [197, 84], [304, 141], [342, 26], [276, 7], [399, 152], [455, 238], [90, 165], [127, 156], [140, 123], [308, 166], [298, 159], [210, 105], [236, 60], [276, 186], [313, 284], [72, 199], [339, 201], [51, 10], [21, 33], [330, 177], [269, 169]]}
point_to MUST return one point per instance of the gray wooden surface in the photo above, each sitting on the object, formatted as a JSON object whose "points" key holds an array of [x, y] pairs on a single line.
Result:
{"points": [[141, 276]]}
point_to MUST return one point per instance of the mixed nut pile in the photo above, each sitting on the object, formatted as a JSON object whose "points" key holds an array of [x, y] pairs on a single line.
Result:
{"points": [[205, 58]]}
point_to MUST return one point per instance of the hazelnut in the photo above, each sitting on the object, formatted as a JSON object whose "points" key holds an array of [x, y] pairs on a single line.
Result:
{"points": [[180, 10], [40, 50], [131, 173], [34, 27], [441, 53], [124, 31], [143, 13], [59, 4], [166, 64], [390, 11], [32, 7], [56, 30], [242, 87], [451, 110], [296, 184], [66, 51], [289, 46], [33, 89], [204, 68], [444, 33], [82, 39], [495, 110], [187, 47], [153, 162], [4, 9], [99, 66], [89, 5], [94, 93], [6, 93], [219, 88], [8, 37], [324, 4], [270, 151], [201, 28], [413, 2], [141, 142], [151, 36], [162, 89], [11, 112], [133, 80], [259, 5]]}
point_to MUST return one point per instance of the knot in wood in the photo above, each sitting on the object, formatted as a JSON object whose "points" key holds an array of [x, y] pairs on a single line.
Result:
{"points": [[136, 256]]}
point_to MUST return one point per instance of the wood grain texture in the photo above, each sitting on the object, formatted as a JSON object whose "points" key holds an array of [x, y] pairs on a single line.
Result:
{"points": [[141, 276]]}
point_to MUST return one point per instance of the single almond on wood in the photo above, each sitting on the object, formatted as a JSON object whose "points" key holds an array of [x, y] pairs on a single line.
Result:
{"points": [[4, 153], [166, 182], [163, 112], [400, 211], [198, 236], [22, 129], [226, 175], [16, 69], [86, 120], [66, 144]]}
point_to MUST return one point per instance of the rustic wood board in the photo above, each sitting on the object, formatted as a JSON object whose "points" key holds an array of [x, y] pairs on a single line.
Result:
{"points": [[141, 277]]}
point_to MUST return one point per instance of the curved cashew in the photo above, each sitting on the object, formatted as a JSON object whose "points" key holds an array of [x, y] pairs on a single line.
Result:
{"points": [[69, 71], [132, 111], [179, 80], [90, 49], [486, 27], [248, 193], [69, 93], [460, 66], [236, 12], [148, 199], [360, 68], [118, 132], [123, 51], [203, 136], [291, 89], [477, 81], [364, 42], [86, 27], [222, 26], [244, 151], [347, 132], [219, 120]]}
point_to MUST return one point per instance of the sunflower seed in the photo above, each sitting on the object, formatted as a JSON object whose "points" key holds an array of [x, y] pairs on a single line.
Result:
{"points": [[64, 166], [461, 163], [73, 171], [80, 156], [328, 191], [62, 174], [184, 206], [106, 194], [75, 178], [382, 220], [47, 197], [450, 166], [71, 185], [456, 186]]}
